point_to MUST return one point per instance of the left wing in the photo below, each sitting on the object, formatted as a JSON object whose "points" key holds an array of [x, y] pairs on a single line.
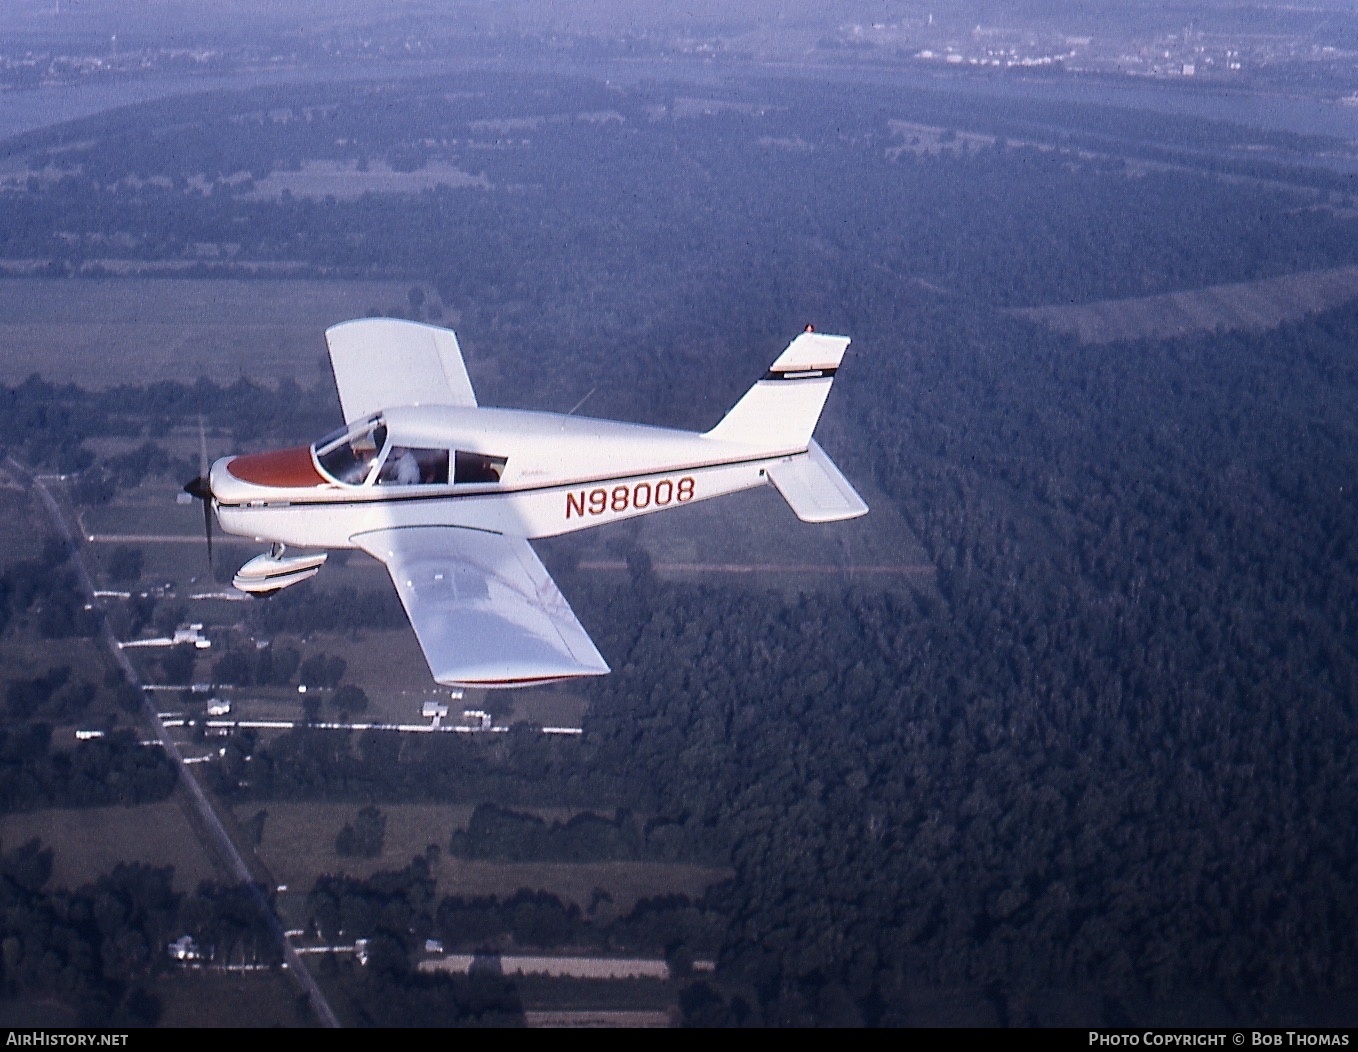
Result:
{"points": [[385, 362], [484, 608]]}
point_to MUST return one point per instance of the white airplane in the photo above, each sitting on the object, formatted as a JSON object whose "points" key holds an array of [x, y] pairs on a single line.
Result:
{"points": [[447, 494]]}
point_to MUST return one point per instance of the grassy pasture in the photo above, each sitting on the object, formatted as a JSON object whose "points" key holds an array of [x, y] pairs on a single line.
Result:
{"points": [[344, 181], [755, 537], [101, 333], [1247, 305], [87, 842], [192, 998], [299, 845]]}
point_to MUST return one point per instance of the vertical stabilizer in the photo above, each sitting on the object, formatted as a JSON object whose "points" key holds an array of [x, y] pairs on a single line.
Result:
{"points": [[779, 413]]}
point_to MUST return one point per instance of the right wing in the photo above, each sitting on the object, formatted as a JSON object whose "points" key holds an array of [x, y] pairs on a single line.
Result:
{"points": [[385, 362], [484, 608]]}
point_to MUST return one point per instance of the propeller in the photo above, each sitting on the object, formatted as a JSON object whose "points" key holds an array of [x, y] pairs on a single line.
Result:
{"points": [[201, 488]]}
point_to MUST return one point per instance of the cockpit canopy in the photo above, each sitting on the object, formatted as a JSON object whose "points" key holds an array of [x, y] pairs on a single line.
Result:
{"points": [[360, 455], [347, 455]]}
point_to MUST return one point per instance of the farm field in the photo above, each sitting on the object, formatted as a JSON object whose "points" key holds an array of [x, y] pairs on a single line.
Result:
{"points": [[755, 537], [298, 845], [88, 842], [220, 999], [101, 333], [346, 181], [1247, 305]]}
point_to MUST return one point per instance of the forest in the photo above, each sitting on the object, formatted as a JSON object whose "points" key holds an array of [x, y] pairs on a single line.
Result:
{"points": [[1102, 773]]}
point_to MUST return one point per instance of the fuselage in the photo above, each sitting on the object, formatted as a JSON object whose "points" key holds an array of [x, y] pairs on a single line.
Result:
{"points": [[513, 472]]}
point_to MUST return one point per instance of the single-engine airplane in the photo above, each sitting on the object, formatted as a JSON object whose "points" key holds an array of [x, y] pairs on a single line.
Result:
{"points": [[447, 494]]}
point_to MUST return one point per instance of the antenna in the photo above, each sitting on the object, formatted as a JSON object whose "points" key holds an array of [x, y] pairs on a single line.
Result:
{"points": [[582, 401]]}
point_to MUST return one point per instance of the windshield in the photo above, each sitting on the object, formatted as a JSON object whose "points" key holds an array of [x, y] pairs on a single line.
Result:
{"points": [[347, 455]]}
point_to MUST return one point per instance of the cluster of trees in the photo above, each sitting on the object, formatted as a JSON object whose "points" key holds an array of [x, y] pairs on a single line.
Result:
{"points": [[51, 695], [276, 666], [44, 594], [114, 769], [98, 484], [342, 609], [379, 766], [94, 948], [498, 833], [363, 837], [386, 992], [51, 421]]}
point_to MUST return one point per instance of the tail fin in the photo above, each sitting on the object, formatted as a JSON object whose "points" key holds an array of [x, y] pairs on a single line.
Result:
{"points": [[779, 413]]}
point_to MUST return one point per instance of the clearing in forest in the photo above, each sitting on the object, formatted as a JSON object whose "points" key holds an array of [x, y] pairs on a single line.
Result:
{"points": [[1248, 305]]}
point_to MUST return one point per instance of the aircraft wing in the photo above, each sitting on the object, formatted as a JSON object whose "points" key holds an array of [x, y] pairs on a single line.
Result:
{"points": [[385, 362], [484, 608]]}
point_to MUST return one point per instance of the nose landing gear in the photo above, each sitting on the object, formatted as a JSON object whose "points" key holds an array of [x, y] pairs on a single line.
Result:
{"points": [[275, 570]]}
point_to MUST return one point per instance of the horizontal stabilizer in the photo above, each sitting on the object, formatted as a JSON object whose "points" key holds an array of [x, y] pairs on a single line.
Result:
{"points": [[811, 351], [815, 489]]}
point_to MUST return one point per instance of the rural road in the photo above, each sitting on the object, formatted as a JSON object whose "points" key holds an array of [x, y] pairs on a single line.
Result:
{"points": [[221, 841]]}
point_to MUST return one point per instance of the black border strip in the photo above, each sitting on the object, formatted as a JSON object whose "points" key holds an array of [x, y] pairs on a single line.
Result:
{"points": [[802, 374]]}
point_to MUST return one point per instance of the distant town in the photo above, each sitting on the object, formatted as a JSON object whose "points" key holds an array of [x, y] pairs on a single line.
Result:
{"points": [[1317, 58]]}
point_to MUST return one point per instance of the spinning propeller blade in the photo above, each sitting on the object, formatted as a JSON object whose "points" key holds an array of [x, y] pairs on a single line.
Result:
{"points": [[201, 488]]}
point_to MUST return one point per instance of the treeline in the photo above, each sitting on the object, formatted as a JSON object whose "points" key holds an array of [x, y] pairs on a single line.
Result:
{"points": [[401, 908], [503, 835], [114, 769], [50, 421], [378, 766], [320, 609]]}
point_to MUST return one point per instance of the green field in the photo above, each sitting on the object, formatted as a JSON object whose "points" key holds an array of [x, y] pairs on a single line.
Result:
{"points": [[1246, 305], [191, 998], [299, 845], [101, 333], [755, 539], [87, 842]]}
